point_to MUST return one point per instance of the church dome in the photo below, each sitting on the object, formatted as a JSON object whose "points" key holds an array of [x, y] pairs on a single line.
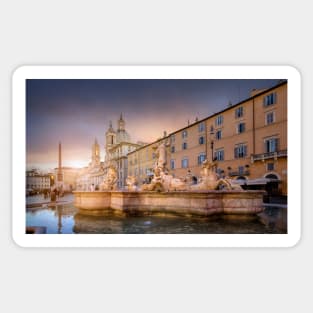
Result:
{"points": [[122, 136]]}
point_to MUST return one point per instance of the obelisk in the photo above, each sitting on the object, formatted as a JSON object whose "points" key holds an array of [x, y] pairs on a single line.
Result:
{"points": [[60, 172]]}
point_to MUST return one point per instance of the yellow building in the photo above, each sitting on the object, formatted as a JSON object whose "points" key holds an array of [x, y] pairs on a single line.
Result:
{"points": [[248, 139], [141, 162]]}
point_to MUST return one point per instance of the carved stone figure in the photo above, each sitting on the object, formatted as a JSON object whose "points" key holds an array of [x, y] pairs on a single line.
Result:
{"points": [[161, 155], [210, 181], [131, 182], [161, 180], [110, 180]]}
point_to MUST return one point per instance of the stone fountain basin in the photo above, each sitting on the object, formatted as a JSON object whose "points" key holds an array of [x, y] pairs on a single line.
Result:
{"points": [[184, 203]]}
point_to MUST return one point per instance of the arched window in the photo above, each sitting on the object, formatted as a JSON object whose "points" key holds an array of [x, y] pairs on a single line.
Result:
{"points": [[271, 176]]}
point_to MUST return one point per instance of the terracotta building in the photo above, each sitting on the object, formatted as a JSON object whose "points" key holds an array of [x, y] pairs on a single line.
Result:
{"points": [[248, 139]]}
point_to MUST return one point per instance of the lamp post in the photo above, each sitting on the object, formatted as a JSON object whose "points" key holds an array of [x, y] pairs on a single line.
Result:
{"points": [[212, 142], [51, 180]]}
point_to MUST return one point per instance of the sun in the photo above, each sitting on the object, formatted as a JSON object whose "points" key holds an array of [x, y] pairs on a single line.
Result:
{"points": [[77, 163]]}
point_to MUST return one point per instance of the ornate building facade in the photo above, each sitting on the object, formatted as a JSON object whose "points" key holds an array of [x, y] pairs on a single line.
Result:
{"points": [[92, 176], [117, 145], [36, 181]]}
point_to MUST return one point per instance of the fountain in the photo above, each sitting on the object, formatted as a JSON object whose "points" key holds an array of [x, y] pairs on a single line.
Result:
{"points": [[166, 194]]}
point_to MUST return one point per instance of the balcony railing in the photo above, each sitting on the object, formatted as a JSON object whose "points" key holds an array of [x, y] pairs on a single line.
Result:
{"points": [[239, 173], [268, 155]]}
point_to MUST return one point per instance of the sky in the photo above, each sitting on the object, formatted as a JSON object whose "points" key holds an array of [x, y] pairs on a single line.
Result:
{"points": [[76, 111]]}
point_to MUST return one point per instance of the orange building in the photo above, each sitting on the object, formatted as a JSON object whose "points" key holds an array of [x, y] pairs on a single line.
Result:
{"points": [[248, 140]]}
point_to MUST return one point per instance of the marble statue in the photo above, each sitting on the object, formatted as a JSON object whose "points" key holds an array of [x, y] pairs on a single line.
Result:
{"points": [[161, 155], [110, 180], [161, 180], [210, 181], [132, 184]]}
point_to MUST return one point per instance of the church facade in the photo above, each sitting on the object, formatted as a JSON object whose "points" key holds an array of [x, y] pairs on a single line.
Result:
{"points": [[117, 146], [92, 176]]}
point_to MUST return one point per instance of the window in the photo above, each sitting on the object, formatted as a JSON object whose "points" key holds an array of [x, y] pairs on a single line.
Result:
{"points": [[201, 158], [172, 164], [218, 135], [153, 155], [172, 149], [241, 170], [184, 134], [240, 151], [239, 112], [172, 138], [219, 155], [184, 146], [219, 120], [184, 163], [241, 127], [269, 99], [269, 118], [270, 166], [271, 145], [201, 127], [201, 140]]}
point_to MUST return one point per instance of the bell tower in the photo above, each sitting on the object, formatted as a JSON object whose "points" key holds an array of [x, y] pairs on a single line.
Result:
{"points": [[110, 140], [121, 124], [95, 157], [110, 136]]}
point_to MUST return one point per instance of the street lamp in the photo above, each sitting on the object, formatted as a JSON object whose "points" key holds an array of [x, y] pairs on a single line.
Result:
{"points": [[51, 180], [212, 141]]}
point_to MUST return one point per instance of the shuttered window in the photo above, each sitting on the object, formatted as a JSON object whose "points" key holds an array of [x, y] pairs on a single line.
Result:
{"points": [[240, 151], [270, 99], [184, 163], [201, 158], [219, 155], [271, 145]]}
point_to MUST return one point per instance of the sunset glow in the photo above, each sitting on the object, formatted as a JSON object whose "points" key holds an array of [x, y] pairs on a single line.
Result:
{"points": [[76, 112]]}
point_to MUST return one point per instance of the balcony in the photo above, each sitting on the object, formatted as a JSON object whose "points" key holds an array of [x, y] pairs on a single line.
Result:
{"points": [[269, 155], [239, 173]]}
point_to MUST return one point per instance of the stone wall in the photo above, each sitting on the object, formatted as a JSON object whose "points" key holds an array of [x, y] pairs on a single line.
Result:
{"points": [[178, 203]]}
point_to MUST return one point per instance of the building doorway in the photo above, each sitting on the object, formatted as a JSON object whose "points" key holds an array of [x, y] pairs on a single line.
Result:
{"points": [[272, 186]]}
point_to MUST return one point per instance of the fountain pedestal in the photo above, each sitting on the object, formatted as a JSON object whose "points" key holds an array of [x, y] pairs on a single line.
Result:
{"points": [[185, 203]]}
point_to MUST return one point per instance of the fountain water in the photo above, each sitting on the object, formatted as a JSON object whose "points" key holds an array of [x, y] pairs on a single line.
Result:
{"points": [[167, 194]]}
